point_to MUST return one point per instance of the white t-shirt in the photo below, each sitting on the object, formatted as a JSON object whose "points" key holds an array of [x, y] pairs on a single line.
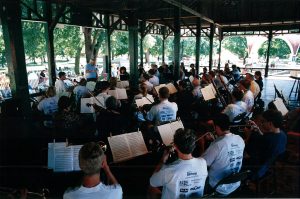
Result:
{"points": [[233, 110], [80, 91], [60, 86], [249, 100], [149, 85], [102, 97], [99, 191], [223, 157], [48, 105], [181, 179], [165, 111], [154, 80]]}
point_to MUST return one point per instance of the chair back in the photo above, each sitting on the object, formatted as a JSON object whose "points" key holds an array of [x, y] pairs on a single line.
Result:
{"points": [[233, 178]]}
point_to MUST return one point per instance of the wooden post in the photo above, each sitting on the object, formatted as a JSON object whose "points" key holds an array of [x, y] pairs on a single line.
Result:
{"points": [[176, 43], [268, 53], [211, 42], [198, 42]]}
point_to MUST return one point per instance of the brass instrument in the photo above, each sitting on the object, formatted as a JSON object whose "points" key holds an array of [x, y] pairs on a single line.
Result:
{"points": [[219, 94], [103, 146]]}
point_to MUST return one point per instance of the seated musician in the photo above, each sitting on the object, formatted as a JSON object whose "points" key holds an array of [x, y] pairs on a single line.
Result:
{"points": [[186, 176], [237, 107], [48, 105], [145, 80], [143, 92], [216, 81], [254, 87], [248, 98], [165, 111], [124, 75], [197, 89], [154, 80], [60, 84], [265, 141], [81, 90], [259, 81], [224, 156], [91, 161], [110, 121], [205, 77], [184, 101], [103, 89]]}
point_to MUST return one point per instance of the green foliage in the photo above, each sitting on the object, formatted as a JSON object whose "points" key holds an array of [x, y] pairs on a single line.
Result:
{"points": [[2, 49], [237, 45], [279, 48], [34, 41], [67, 40], [156, 49], [119, 43], [188, 46]]}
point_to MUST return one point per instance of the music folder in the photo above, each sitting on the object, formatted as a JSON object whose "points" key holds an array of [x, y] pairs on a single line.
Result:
{"points": [[127, 146], [118, 93], [208, 92], [168, 130], [144, 100], [278, 102], [123, 84], [63, 158], [170, 86]]}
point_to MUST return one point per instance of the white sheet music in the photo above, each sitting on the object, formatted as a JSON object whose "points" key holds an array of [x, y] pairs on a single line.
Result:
{"points": [[99, 101], [172, 88], [76, 149], [123, 84], [158, 87], [83, 105], [90, 85], [191, 78], [280, 106], [142, 102], [167, 131], [119, 93], [127, 146], [208, 92]]}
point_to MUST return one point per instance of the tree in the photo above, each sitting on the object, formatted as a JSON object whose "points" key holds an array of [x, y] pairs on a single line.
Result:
{"points": [[278, 48], [156, 50], [148, 43], [119, 43], [93, 40], [237, 45], [2, 49], [34, 41]]}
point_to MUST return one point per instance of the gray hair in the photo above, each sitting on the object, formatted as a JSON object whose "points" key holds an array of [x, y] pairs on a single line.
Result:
{"points": [[90, 158]]}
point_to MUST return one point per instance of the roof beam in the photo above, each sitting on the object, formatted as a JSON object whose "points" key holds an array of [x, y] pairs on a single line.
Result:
{"points": [[188, 9]]}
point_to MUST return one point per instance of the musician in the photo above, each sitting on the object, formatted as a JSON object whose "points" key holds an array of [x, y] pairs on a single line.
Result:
{"points": [[145, 80], [184, 100], [212, 77], [154, 80], [237, 107], [48, 105], [124, 75], [81, 90], [165, 111], [197, 89], [248, 98], [60, 85], [91, 72], [259, 81], [91, 161], [186, 176], [235, 73], [143, 92], [193, 71], [265, 141], [254, 87], [205, 76], [224, 156], [103, 96]]}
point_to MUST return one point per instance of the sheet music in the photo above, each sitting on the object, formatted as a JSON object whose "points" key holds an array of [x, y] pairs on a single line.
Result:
{"points": [[172, 88], [213, 89], [280, 106], [63, 160], [208, 93], [142, 102], [119, 93], [76, 149], [126, 146], [51, 152], [91, 85], [83, 105], [191, 78], [99, 99], [158, 87], [122, 84], [136, 143], [167, 131]]}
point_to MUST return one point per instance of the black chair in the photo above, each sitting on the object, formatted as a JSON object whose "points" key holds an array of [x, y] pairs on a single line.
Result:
{"points": [[233, 178]]}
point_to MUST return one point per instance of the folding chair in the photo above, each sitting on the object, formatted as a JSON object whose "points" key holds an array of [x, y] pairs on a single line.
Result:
{"points": [[233, 178]]}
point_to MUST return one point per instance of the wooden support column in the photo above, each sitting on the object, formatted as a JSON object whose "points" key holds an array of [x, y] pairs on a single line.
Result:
{"points": [[220, 47], [268, 53], [198, 41], [211, 42], [163, 44], [10, 13], [133, 48], [142, 33], [107, 57], [176, 43], [49, 43]]}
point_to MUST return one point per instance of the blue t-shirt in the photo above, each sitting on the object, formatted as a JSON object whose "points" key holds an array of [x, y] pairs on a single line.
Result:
{"points": [[92, 71]]}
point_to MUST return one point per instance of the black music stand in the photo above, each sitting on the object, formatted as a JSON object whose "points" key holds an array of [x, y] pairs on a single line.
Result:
{"points": [[295, 91]]}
